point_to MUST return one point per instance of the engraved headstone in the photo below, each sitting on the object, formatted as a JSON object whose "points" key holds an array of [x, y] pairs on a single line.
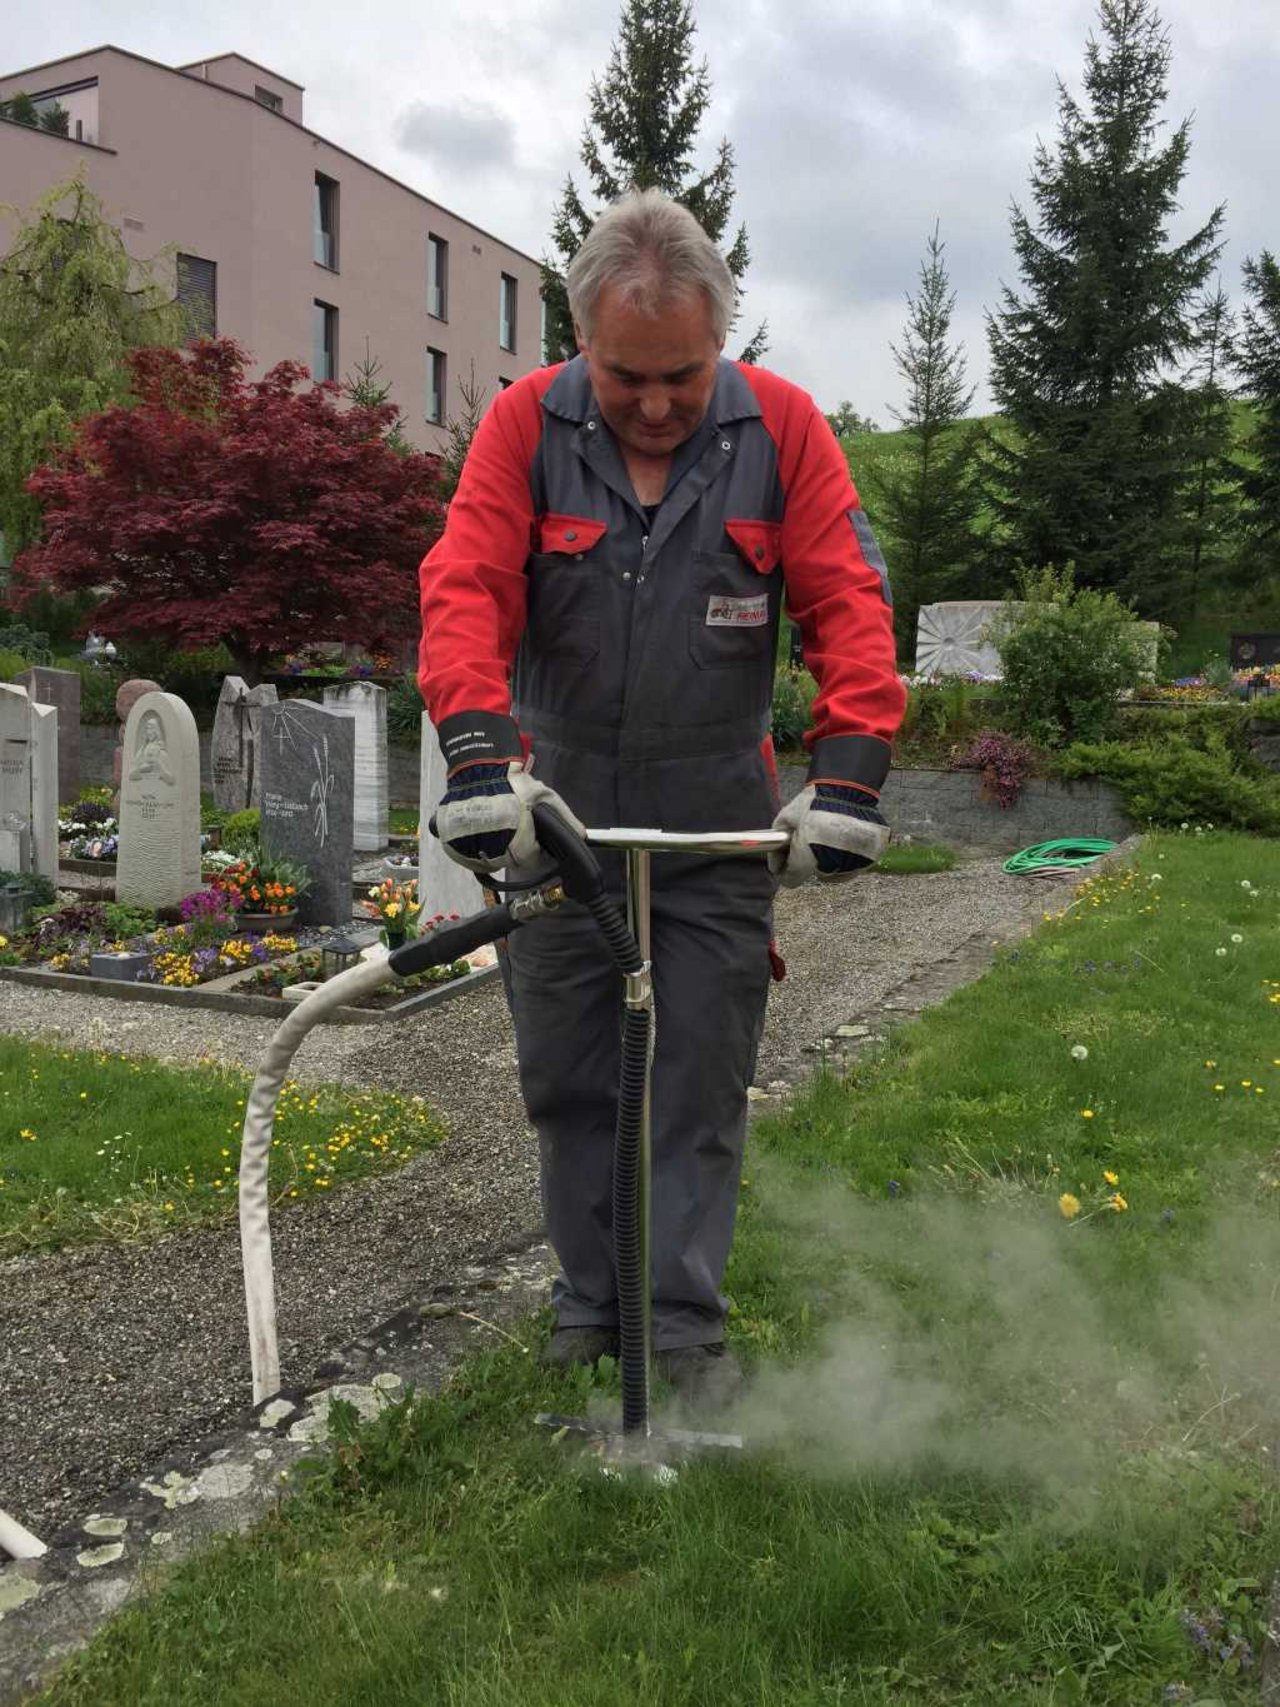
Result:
{"points": [[444, 886], [307, 759], [45, 746], [233, 749], [15, 779], [159, 857], [60, 688], [956, 638], [366, 704]]}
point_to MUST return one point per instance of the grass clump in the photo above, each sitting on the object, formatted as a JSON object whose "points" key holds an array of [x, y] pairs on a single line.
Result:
{"points": [[905, 859], [101, 1146]]}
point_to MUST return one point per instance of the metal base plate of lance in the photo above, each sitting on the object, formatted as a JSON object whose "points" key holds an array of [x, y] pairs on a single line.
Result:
{"points": [[656, 1455]]}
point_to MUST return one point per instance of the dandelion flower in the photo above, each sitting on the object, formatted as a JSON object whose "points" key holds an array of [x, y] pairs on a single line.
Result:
{"points": [[1111, 1179], [1086, 1114], [1118, 1203], [1068, 1206], [1219, 951], [1219, 1087], [1079, 1052]]}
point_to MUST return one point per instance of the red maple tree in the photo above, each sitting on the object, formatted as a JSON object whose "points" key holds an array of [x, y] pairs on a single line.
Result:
{"points": [[260, 514]]}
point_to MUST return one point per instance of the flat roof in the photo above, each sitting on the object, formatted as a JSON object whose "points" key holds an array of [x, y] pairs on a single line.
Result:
{"points": [[282, 118], [213, 58]]}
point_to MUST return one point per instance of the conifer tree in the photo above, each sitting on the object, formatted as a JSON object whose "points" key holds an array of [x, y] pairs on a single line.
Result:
{"points": [[641, 134], [1258, 360], [1210, 499], [1091, 472], [928, 496]]}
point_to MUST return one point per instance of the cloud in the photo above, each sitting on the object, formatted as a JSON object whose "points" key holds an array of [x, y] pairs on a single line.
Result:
{"points": [[465, 137]]}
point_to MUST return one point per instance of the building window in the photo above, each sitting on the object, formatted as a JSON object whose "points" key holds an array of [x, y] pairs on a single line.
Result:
{"points": [[326, 222], [324, 341], [507, 312], [435, 386], [437, 278], [198, 295], [268, 98]]}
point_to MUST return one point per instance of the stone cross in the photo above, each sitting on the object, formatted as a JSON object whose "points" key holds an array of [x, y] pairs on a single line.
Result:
{"points": [[366, 704], [60, 688], [158, 862], [307, 759], [444, 886], [237, 730]]}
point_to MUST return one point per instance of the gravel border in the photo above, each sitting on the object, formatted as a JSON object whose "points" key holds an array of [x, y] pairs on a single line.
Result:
{"points": [[118, 1356]]}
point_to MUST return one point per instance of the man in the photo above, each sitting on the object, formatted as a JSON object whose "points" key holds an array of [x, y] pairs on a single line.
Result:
{"points": [[600, 624]]}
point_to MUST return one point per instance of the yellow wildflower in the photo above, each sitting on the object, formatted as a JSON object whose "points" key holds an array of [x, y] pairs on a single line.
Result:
{"points": [[1086, 1114], [1118, 1203], [1111, 1179], [1068, 1206]]}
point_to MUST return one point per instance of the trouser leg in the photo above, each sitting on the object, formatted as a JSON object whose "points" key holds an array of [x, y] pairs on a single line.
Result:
{"points": [[711, 927]]}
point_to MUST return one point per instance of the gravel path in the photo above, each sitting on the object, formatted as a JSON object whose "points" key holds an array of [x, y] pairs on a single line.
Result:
{"points": [[116, 1356]]}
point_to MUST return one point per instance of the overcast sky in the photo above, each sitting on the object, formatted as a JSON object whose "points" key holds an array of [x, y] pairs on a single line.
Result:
{"points": [[855, 126]]}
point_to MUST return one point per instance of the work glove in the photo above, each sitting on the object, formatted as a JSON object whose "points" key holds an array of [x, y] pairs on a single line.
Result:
{"points": [[485, 817], [836, 830]]}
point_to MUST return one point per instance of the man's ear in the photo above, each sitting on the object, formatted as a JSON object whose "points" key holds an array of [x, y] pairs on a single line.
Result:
{"points": [[580, 338]]}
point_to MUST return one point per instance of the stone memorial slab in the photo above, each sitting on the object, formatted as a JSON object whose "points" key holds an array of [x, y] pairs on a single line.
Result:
{"points": [[366, 704], [307, 760], [60, 688], [15, 778], [44, 789], [237, 731], [955, 638], [1255, 651], [159, 857], [444, 886]]}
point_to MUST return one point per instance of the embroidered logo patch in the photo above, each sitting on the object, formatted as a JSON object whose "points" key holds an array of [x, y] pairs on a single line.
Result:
{"points": [[723, 612]]}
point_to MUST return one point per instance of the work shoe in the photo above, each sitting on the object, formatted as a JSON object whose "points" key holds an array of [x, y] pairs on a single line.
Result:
{"points": [[706, 1377], [570, 1347]]}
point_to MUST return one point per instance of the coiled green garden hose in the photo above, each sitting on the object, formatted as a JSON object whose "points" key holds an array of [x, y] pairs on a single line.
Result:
{"points": [[1046, 858]]}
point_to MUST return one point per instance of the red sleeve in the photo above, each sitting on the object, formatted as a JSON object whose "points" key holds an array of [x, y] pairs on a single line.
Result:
{"points": [[473, 579], [837, 589]]}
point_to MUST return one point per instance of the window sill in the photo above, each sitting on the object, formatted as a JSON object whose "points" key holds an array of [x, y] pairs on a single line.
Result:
{"points": [[509, 349], [326, 268], [440, 319]]}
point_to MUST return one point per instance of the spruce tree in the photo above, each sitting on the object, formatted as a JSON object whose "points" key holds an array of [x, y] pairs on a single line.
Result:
{"points": [[1258, 360], [643, 124], [1090, 472], [927, 495], [1210, 500], [73, 305]]}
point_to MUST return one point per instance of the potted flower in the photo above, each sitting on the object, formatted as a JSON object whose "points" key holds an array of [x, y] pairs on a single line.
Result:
{"points": [[396, 906], [265, 891]]}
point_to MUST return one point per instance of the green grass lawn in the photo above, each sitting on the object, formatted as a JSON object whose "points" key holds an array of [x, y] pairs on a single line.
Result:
{"points": [[97, 1146], [906, 859], [1009, 1294]]}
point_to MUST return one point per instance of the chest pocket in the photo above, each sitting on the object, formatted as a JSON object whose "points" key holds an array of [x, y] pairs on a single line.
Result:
{"points": [[564, 592], [732, 619]]}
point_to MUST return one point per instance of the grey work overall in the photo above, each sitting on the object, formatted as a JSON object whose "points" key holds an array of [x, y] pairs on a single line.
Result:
{"points": [[644, 680]]}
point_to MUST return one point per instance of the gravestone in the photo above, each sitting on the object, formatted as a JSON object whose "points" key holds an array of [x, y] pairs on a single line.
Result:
{"points": [[954, 638], [127, 696], [444, 886], [1255, 651], [45, 748], [15, 779], [60, 688], [158, 862], [307, 760], [366, 704], [237, 733]]}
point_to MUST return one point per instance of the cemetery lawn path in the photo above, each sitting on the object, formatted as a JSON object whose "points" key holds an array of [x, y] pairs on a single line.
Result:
{"points": [[1008, 1286]]}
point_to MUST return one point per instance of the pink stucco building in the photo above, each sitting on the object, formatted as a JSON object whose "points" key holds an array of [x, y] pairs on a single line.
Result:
{"points": [[279, 238]]}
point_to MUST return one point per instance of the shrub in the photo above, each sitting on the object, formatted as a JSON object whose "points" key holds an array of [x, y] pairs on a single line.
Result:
{"points": [[241, 830], [10, 664], [793, 693], [1266, 710], [1067, 656], [404, 709], [98, 684], [30, 643], [1175, 782], [39, 889], [1004, 762]]}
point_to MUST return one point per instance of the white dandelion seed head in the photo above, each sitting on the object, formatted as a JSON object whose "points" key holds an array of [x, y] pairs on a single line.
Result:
{"points": [[1219, 951], [1079, 1052], [1236, 937]]}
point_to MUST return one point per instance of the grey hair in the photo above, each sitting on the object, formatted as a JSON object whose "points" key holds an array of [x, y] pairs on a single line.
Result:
{"points": [[653, 252]]}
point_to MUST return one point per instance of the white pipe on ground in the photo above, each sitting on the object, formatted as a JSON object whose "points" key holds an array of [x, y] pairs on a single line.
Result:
{"points": [[17, 1542], [255, 1153]]}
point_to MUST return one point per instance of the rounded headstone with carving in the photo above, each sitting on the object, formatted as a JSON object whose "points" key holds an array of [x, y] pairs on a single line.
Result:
{"points": [[954, 638], [127, 696], [159, 857]]}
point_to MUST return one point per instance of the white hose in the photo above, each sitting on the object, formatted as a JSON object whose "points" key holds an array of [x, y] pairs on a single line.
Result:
{"points": [[255, 1153], [17, 1542]]}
